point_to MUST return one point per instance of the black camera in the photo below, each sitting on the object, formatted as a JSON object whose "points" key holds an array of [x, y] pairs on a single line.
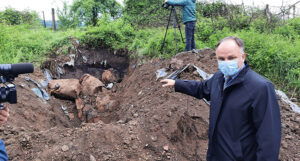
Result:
{"points": [[8, 72], [8, 94], [165, 5]]}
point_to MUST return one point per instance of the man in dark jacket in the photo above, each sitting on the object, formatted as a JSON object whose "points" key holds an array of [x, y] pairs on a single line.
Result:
{"points": [[244, 115], [189, 20]]}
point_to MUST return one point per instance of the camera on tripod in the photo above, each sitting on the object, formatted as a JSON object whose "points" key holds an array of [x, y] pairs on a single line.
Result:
{"points": [[175, 23], [8, 72], [166, 5]]}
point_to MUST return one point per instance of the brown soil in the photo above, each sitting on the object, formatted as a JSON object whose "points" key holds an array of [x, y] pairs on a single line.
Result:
{"points": [[150, 123]]}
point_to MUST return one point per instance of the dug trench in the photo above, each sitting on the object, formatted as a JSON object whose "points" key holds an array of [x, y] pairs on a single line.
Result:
{"points": [[106, 106]]}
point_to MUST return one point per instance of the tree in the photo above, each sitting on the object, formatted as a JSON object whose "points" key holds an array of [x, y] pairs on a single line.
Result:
{"points": [[11, 16], [67, 18], [88, 11], [145, 12]]}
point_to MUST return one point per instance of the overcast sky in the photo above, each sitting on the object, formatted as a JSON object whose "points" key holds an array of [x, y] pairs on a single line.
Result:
{"points": [[46, 5]]}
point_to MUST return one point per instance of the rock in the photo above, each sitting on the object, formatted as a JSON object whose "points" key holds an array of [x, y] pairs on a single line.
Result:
{"points": [[94, 119], [108, 76], [90, 85], [293, 99], [113, 105], [92, 158], [105, 104], [65, 88], [154, 138], [168, 155], [156, 117], [80, 114], [136, 115], [284, 144], [195, 73], [297, 119], [140, 93], [121, 122], [169, 114], [65, 148], [71, 116], [92, 115], [79, 104], [166, 148], [115, 88], [87, 108], [102, 102], [289, 137], [126, 141], [74, 157]]}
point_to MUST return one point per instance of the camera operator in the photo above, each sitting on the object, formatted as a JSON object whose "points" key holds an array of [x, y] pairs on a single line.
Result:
{"points": [[189, 20], [4, 114], [8, 93]]}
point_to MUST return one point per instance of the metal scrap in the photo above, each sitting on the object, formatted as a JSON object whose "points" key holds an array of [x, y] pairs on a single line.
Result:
{"points": [[39, 91], [160, 73], [285, 99]]}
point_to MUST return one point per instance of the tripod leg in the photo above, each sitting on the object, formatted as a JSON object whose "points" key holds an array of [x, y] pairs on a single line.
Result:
{"points": [[178, 24], [163, 44]]}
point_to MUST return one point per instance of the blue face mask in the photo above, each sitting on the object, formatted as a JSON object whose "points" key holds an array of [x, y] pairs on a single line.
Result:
{"points": [[228, 68]]}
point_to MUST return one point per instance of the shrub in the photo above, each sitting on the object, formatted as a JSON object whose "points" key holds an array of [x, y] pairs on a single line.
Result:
{"points": [[11, 16], [109, 34]]}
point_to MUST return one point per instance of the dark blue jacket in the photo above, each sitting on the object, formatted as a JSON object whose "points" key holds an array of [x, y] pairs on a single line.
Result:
{"points": [[244, 117], [3, 154]]}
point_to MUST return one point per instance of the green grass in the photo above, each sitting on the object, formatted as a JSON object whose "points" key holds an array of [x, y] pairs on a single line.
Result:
{"points": [[23, 43], [273, 54]]}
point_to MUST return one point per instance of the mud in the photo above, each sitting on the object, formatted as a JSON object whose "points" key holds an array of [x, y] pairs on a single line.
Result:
{"points": [[149, 123]]}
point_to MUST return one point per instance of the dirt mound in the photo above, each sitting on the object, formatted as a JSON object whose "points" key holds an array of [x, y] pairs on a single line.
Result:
{"points": [[150, 122]]}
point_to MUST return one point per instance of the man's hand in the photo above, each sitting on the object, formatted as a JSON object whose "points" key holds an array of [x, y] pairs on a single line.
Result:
{"points": [[168, 82], [4, 114]]}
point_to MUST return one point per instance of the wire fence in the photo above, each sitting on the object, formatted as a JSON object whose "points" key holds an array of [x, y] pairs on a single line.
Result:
{"points": [[284, 11]]}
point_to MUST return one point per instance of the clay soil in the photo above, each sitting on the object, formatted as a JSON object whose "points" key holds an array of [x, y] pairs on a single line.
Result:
{"points": [[150, 123]]}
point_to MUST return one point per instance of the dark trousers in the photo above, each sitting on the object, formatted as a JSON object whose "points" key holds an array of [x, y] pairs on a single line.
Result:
{"points": [[189, 35]]}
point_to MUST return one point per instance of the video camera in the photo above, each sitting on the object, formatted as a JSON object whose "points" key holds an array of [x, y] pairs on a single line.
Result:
{"points": [[8, 72], [166, 5]]}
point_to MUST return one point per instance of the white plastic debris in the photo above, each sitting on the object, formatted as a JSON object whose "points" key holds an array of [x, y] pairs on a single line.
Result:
{"points": [[47, 75], [109, 85], [84, 58], [65, 110], [285, 99]]}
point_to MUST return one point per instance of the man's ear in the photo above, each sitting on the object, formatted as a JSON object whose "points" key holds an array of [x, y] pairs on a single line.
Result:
{"points": [[245, 55]]}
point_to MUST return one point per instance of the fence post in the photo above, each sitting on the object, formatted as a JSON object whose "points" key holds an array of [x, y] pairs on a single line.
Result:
{"points": [[288, 12], [53, 20], [267, 10], [294, 11], [44, 19]]}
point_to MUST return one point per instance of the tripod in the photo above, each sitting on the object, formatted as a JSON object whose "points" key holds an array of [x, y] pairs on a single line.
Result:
{"points": [[172, 11]]}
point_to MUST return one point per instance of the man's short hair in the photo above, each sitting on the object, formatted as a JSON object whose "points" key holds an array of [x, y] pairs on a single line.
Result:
{"points": [[237, 40]]}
